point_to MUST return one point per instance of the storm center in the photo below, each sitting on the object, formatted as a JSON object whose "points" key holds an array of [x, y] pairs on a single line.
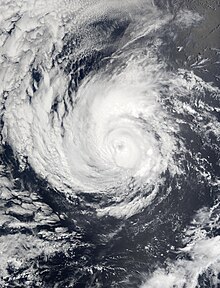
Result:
{"points": [[126, 153]]}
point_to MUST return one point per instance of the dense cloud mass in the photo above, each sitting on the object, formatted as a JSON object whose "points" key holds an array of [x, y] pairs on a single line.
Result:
{"points": [[109, 144]]}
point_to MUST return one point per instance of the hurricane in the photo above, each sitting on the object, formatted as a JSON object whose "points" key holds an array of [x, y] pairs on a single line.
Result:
{"points": [[109, 144]]}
